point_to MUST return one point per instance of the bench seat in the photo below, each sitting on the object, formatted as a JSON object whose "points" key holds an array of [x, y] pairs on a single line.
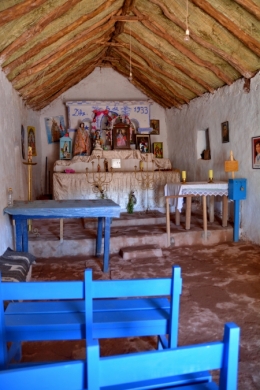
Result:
{"points": [[66, 320]]}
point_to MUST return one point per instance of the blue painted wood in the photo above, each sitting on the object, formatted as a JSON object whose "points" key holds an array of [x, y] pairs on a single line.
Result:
{"points": [[111, 317], [156, 322], [99, 236], [46, 209], [107, 244], [64, 208], [169, 368], [236, 221]]}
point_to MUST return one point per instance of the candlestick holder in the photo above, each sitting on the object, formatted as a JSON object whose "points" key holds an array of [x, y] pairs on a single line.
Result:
{"points": [[99, 181], [211, 180], [145, 180], [183, 181]]}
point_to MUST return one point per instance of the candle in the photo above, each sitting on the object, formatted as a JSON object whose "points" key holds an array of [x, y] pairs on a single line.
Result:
{"points": [[183, 174], [210, 174]]}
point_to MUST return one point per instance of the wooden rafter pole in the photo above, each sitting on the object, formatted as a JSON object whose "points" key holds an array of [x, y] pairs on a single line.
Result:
{"points": [[181, 99], [232, 60], [18, 10], [37, 28], [250, 7], [141, 87], [63, 79], [65, 47], [183, 49], [249, 41], [169, 75], [152, 85], [178, 66], [42, 79], [55, 55]]}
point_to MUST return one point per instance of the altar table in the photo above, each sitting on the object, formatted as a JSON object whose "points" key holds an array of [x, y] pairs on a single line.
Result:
{"points": [[175, 192], [103, 209], [76, 186]]}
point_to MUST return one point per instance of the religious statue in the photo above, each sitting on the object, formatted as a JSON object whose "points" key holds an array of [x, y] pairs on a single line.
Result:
{"points": [[82, 143]]}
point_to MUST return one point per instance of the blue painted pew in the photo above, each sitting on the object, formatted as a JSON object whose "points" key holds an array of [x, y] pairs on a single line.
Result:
{"points": [[65, 319], [176, 368]]}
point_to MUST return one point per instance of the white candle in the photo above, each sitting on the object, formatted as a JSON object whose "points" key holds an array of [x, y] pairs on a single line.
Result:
{"points": [[210, 174], [183, 174]]}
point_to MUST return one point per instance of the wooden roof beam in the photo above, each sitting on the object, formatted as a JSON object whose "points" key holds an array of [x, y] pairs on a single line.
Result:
{"points": [[143, 89], [63, 68], [250, 7], [221, 53], [169, 75], [37, 28], [18, 10], [153, 76], [172, 63], [64, 83], [234, 29], [161, 32], [63, 49], [71, 43]]}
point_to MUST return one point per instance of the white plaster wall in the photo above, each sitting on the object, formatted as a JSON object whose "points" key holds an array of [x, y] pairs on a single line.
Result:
{"points": [[242, 111], [101, 84], [13, 173]]}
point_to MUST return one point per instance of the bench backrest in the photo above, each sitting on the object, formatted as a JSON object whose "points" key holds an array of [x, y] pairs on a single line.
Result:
{"points": [[151, 367], [139, 288], [146, 370], [33, 291]]}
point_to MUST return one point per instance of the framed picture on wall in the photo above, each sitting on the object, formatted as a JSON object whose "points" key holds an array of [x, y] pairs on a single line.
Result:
{"points": [[158, 149], [121, 136], [256, 152], [225, 132], [143, 143], [155, 125]]}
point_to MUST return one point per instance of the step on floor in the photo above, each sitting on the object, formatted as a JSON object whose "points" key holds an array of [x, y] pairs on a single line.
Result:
{"points": [[132, 252], [151, 217]]}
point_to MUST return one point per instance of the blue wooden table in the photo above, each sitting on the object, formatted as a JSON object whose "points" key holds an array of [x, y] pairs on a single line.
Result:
{"points": [[103, 209]]}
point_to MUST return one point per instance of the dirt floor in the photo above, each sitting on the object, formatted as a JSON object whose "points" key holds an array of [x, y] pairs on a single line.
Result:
{"points": [[221, 284]]}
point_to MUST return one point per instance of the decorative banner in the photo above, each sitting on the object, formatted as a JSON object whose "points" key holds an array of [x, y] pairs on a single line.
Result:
{"points": [[93, 112], [55, 128], [32, 139], [22, 142]]}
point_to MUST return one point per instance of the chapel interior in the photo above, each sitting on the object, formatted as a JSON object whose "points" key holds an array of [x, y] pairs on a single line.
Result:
{"points": [[138, 102]]}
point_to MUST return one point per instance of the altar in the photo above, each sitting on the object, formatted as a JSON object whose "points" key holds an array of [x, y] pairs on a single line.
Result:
{"points": [[70, 180]]}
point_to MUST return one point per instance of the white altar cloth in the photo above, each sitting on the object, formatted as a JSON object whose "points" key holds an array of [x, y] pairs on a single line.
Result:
{"points": [[75, 186], [194, 188]]}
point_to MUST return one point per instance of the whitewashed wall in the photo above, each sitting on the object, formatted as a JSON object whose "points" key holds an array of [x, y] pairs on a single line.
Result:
{"points": [[242, 111], [13, 173], [101, 84]]}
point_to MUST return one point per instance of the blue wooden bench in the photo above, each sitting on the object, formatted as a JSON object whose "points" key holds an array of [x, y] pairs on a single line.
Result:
{"points": [[176, 368], [63, 317]]}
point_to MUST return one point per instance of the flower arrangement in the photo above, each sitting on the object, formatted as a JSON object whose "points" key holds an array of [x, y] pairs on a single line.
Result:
{"points": [[131, 202]]}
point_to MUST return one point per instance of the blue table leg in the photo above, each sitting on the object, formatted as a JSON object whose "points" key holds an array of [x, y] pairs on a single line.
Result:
{"points": [[106, 244], [99, 236], [19, 235], [25, 236], [236, 221]]}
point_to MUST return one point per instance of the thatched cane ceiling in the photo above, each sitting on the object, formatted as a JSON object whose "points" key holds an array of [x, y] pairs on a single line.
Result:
{"points": [[48, 46]]}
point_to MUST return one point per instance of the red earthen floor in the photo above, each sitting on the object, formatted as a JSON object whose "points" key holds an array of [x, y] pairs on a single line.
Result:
{"points": [[220, 284]]}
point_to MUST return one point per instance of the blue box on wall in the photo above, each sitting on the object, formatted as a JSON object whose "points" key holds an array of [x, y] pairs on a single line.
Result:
{"points": [[237, 189]]}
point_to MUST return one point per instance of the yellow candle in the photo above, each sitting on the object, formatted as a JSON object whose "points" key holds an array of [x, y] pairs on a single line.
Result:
{"points": [[210, 174], [183, 174]]}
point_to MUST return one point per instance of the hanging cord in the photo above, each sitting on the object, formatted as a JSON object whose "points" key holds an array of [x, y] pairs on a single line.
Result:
{"points": [[130, 73], [187, 32]]}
